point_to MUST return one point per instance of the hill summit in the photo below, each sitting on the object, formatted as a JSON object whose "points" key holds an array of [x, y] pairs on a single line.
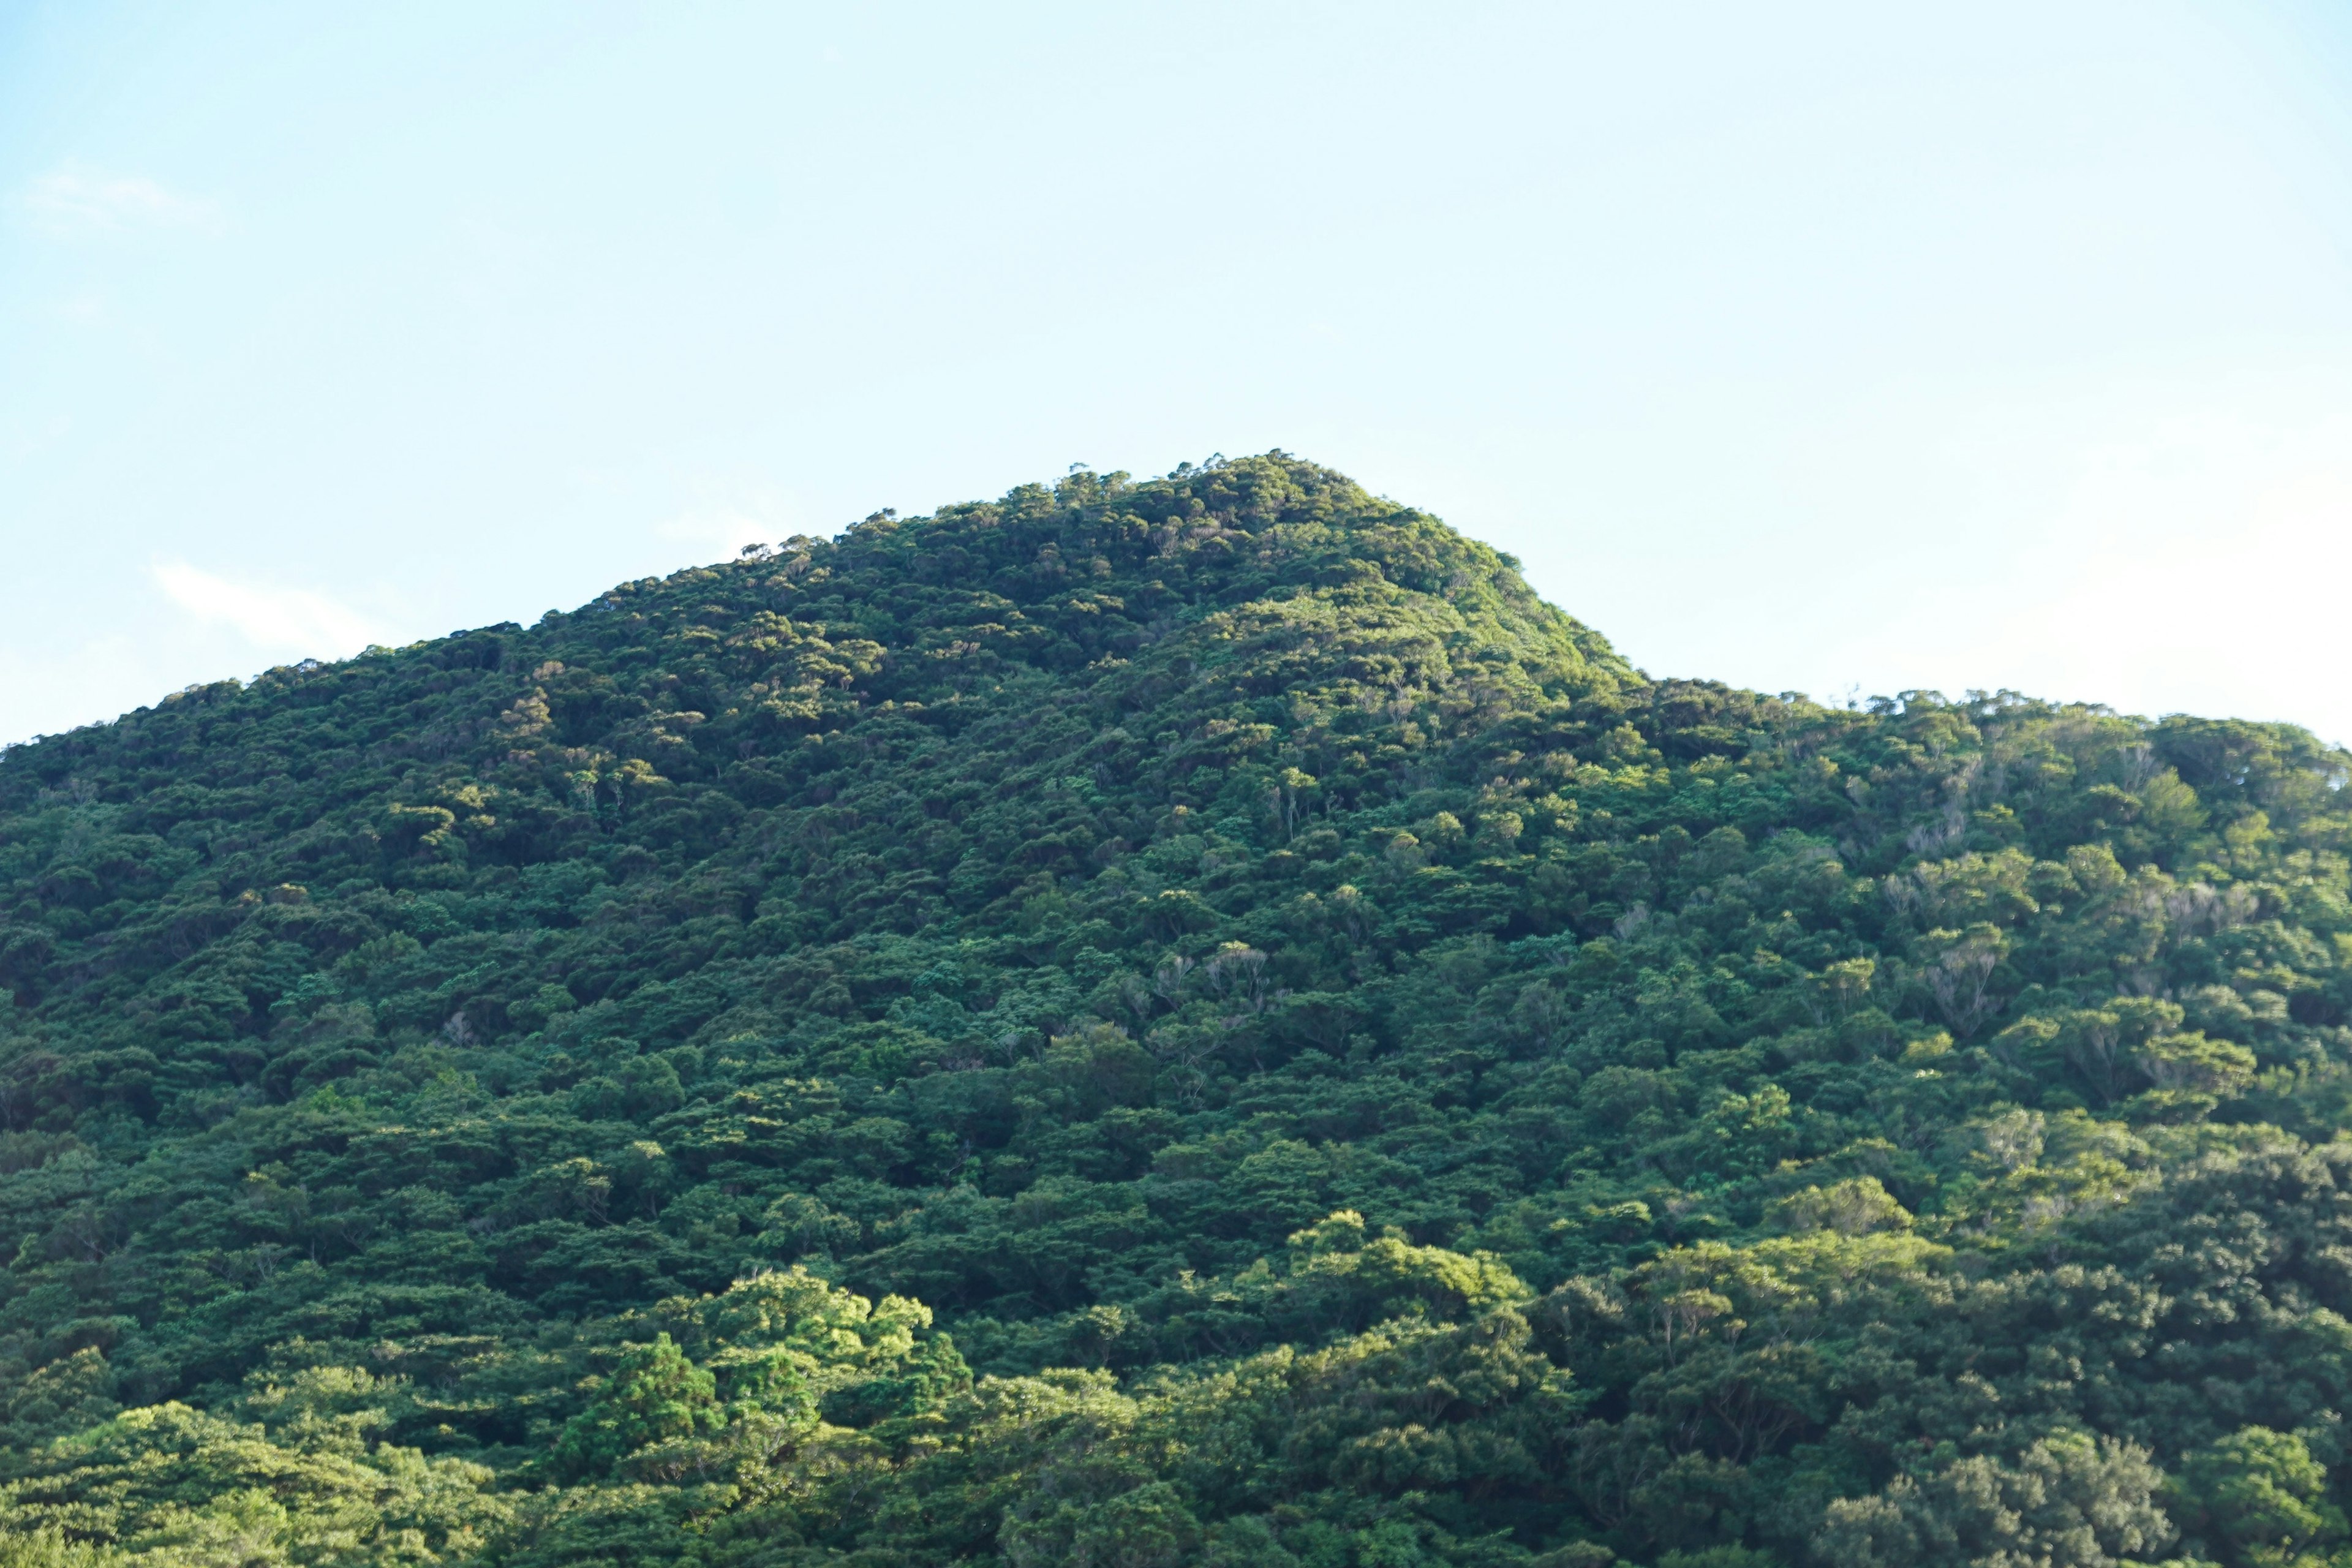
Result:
{"points": [[1190, 1020]]}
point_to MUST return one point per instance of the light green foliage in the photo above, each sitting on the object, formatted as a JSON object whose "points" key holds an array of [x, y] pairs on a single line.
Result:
{"points": [[49, 1547], [1181, 1021], [170, 1485]]}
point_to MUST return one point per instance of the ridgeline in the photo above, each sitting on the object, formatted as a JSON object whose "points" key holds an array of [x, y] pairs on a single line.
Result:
{"points": [[1191, 1021]]}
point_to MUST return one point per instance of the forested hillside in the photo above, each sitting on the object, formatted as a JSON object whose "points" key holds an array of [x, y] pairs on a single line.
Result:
{"points": [[1191, 1021]]}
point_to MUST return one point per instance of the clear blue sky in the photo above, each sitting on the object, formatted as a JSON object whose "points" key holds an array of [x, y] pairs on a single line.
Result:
{"points": [[1818, 347]]}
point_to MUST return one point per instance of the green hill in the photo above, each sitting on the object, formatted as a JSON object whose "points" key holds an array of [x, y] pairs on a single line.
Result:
{"points": [[1155, 1023]]}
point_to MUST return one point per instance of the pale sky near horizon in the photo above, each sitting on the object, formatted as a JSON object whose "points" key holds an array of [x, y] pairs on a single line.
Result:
{"points": [[1845, 349]]}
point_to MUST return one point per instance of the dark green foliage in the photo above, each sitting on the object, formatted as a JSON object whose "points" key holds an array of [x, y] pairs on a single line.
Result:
{"points": [[1193, 1021]]}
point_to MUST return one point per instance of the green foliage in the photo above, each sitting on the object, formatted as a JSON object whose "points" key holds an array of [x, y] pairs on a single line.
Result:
{"points": [[2069, 1501], [2258, 1497], [654, 1395], [1181, 1021], [170, 1484]]}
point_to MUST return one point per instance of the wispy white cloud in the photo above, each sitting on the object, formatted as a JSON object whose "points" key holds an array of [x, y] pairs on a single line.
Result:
{"points": [[75, 198], [297, 621]]}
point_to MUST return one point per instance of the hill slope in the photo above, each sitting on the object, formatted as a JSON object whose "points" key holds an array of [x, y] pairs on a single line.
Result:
{"points": [[1153, 1023]]}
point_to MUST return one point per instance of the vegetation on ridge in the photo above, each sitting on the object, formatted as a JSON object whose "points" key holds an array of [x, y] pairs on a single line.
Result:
{"points": [[1154, 1023]]}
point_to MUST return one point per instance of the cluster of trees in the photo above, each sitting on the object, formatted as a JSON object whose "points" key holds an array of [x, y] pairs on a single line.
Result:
{"points": [[1163, 1022]]}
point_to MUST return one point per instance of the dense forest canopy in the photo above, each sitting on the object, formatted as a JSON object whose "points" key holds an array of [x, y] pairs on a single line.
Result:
{"points": [[1147, 1022]]}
